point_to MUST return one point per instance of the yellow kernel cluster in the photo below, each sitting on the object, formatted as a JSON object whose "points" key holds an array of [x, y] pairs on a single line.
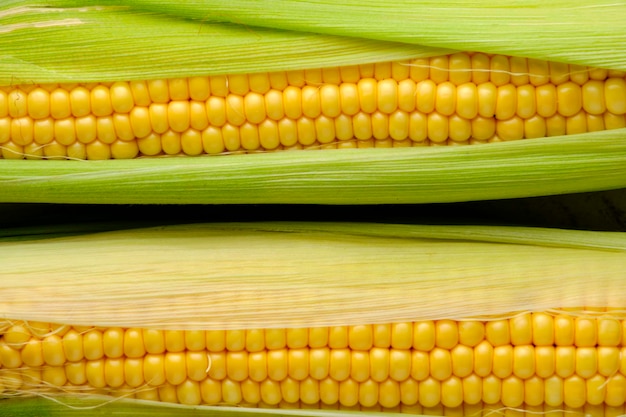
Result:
{"points": [[535, 361], [457, 99]]}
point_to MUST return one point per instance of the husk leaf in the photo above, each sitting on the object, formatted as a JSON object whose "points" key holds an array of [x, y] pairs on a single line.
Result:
{"points": [[50, 42], [233, 276], [577, 31], [577, 163], [86, 406]]}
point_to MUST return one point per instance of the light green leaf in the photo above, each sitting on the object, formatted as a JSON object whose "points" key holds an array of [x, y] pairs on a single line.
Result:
{"points": [[587, 162], [578, 31], [40, 43]]}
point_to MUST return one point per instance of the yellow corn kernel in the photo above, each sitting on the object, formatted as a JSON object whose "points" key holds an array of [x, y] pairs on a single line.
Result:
{"points": [[511, 129], [615, 388], [462, 357], [367, 90], [22, 131], [565, 361], [133, 372], [506, 102], [175, 367], [480, 64], [460, 68], [576, 124], [500, 70], [559, 72], [199, 88], [556, 125], [178, 89], [101, 101], [38, 103], [585, 332], [467, 100], [114, 372], [429, 392], [615, 95], [191, 143], [122, 97], [43, 131], [159, 91], [535, 127], [437, 126], [569, 98], [113, 342], [32, 353], [445, 99], [613, 121], [17, 103], [487, 94], [439, 68], [593, 100], [459, 129], [94, 373], [519, 71], [524, 361]]}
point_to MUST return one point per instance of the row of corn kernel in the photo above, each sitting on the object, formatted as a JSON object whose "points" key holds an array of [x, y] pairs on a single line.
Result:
{"points": [[369, 131], [512, 392], [392, 397], [398, 125], [539, 329], [523, 361], [458, 68], [152, 146], [368, 95], [453, 392]]}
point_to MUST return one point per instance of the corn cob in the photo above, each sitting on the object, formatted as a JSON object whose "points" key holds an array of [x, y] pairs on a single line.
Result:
{"points": [[229, 337], [454, 99], [127, 44]]}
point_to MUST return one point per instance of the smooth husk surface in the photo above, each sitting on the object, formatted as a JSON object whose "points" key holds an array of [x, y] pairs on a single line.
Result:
{"points": [[558, 165], [260, 275]]}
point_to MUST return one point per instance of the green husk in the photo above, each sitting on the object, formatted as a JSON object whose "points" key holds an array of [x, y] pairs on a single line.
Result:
{"points": [[51, 41], [71, 40], [558, 165], [89, 406], [263, 275], [577, 31]]}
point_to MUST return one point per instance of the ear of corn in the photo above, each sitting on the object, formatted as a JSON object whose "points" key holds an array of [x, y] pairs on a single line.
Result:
{"points": [[120, 42], [537, 334]]}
